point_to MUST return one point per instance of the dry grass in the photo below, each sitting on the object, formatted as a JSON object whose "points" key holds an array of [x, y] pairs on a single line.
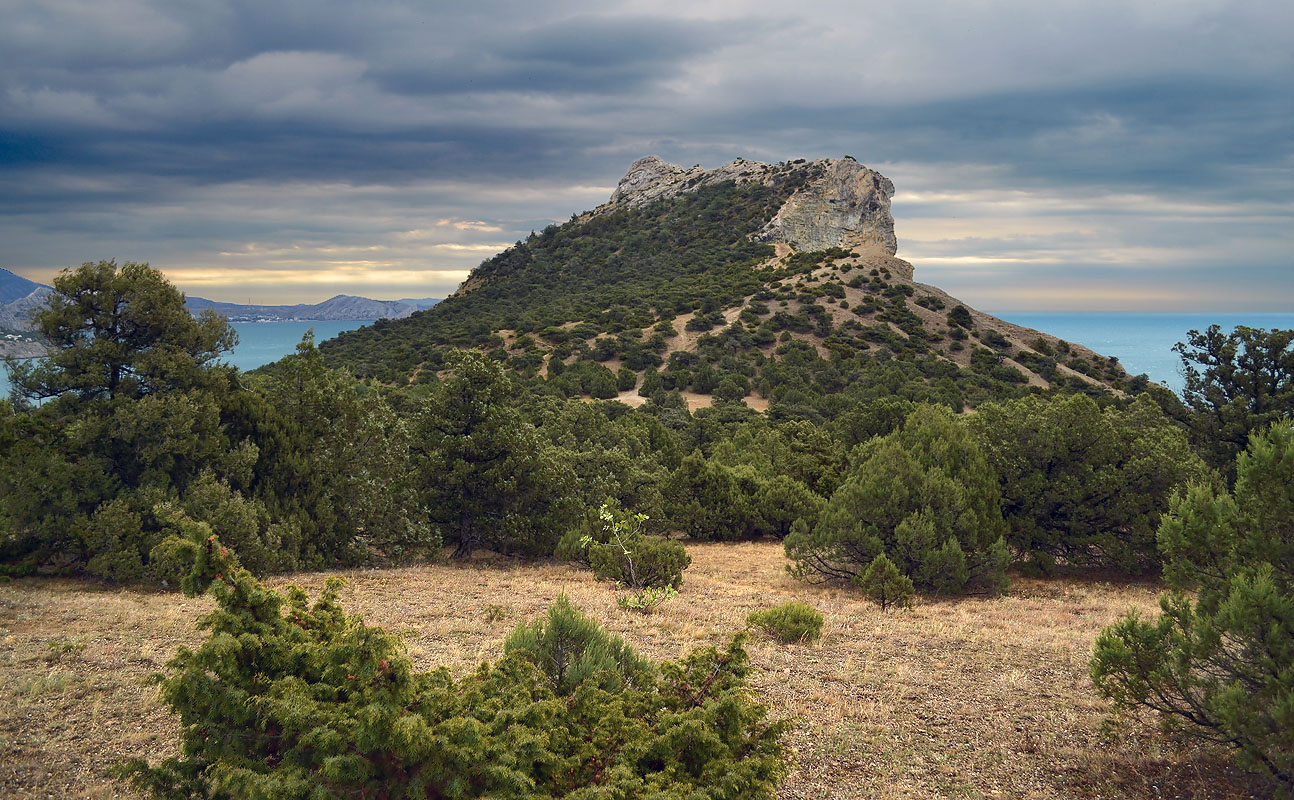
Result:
{"points": [[969, 698]]}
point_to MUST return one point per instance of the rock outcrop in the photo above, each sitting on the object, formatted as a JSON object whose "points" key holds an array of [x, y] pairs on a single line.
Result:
{"points": [[841, 203], [847, 206]]}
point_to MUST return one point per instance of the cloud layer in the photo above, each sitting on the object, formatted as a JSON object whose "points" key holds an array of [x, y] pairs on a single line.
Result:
{"points": [[1062, 155]]}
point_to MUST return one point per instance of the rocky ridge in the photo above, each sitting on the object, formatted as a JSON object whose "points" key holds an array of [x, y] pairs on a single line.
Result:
{"points": [[841, 203], [17, 316]]}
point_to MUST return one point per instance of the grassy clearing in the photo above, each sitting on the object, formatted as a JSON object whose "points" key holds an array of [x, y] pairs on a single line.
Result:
{"points": [[966, 698]]}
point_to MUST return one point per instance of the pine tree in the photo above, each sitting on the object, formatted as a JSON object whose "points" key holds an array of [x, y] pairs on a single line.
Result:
{"points": [[1237, 383], [488, 479], [132, 416], [925, 497], [1084, 485], [884, 584], [1221, 666]]}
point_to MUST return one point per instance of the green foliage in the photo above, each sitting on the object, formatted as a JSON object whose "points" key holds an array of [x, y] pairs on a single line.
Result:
{"points": [[782, 500], [1236, 383], [288, 699], [619, 550], [1082, 485], [789, 623], [570, 649], [623, 456], [337, 465], [641, 562], [960, 317], [1219, 662], [626, 379], [798, 449], [121, 332], [301, 469], [925, 497], [885, 585], [487, 478], [707, 502], [132, 417]]}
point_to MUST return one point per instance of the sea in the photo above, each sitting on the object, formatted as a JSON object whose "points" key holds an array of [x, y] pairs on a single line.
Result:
{"points": [[1143, 342], [260, 343]]}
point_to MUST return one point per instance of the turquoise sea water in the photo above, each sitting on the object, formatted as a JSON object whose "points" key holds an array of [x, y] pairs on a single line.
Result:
{"points": [[1143, 342], [259, 343]]}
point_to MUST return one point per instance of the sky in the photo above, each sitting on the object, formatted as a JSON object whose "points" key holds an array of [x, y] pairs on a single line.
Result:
{"points": [[1129, 155]]}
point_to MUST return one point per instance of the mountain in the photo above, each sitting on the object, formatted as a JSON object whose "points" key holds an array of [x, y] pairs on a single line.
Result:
{"points": [[774, 284], [341, 307], [421, 303], [15, 287], [19, 299]]}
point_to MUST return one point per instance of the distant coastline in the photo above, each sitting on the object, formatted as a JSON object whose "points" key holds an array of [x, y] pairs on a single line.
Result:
{"points": [[260, 343]]}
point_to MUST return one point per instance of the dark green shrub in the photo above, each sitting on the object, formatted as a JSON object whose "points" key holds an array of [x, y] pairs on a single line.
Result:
{"points": [[1218, 662], [924, 496], [885, 585], [626, 379], [732, 388], [291, 700], [707, 504], [789, 623], [782, 500], [1081, 485], [648, 562], [995, 339], [1237, 383], [960, 316], [615, 546]]}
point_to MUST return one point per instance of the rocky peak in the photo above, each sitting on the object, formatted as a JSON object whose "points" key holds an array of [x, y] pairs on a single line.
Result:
{"points": [[840, 204]]}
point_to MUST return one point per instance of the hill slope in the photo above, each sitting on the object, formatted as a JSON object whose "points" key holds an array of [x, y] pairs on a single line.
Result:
{"points": [[752, 281]]}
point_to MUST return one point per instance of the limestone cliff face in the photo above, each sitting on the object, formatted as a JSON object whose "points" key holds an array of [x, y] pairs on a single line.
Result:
{"points": [[847, 206], [841, 204]]}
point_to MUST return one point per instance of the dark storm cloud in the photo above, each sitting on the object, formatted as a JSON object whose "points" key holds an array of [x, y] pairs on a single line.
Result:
{"points": [[1161, 133], [210, 134], [587, 55]]}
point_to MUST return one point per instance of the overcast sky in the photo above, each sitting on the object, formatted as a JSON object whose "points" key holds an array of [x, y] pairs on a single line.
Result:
{"points": [[1136, 154]]}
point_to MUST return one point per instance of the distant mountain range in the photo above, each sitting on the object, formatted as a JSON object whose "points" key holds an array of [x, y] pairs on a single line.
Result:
{"points": [[20, 298], [341, 307], [15, 287]]}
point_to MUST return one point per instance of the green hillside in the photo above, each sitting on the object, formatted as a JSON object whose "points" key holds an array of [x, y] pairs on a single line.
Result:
{"points": [[677, 295]]}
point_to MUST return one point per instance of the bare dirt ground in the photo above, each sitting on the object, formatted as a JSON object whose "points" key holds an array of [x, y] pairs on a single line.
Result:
{"points": [[970, 698]]}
